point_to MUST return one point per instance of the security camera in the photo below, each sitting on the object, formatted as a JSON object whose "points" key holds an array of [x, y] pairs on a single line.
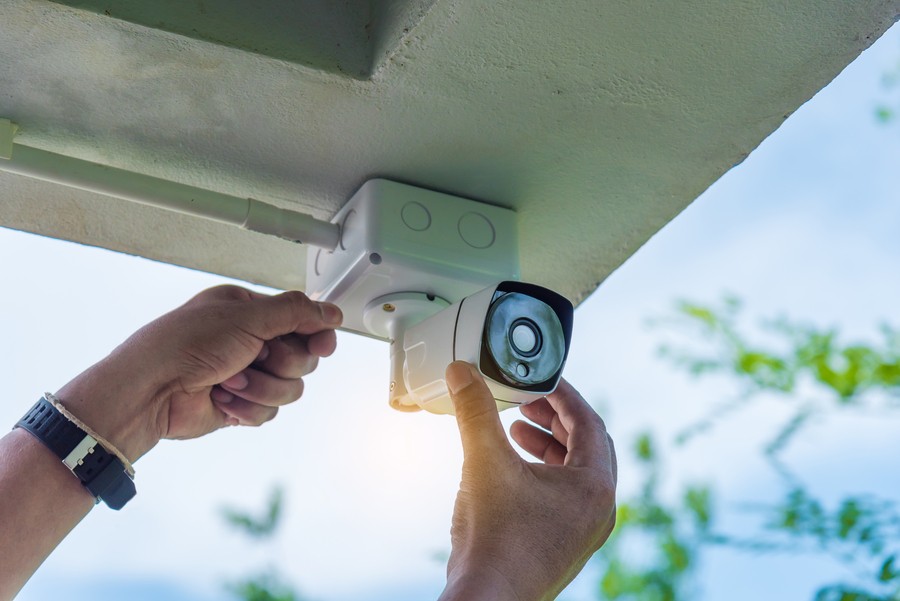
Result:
{"points": [[411, 268], [516, 334]]}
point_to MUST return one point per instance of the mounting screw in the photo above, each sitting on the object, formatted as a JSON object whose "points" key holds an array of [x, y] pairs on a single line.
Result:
{"points": [[392, 386], [389, 307]]}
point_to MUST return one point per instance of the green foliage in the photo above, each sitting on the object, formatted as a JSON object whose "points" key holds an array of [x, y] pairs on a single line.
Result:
{"points": [[863, 533], [858, 527], [260, 527], [267, 586], [798, 352], [791, 354], [655, 551], [888, 572], [886, 111], [698, 501], [846, 593], [644, 448], [652, 552]]}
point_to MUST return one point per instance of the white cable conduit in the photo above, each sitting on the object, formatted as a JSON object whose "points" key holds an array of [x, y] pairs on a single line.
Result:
{"points": [[247, 213]]}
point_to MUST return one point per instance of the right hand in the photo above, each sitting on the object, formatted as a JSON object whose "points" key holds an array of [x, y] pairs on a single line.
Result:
{"points": [[522, 531]]}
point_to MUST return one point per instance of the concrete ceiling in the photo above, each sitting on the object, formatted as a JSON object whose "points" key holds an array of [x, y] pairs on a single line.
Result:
{"points": [[598, 121]]}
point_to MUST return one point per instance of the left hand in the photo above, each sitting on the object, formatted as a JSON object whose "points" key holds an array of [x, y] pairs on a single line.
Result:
{"points": [[228, 356]]}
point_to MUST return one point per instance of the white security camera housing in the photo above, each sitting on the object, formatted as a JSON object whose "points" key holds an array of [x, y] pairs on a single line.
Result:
{"points": [[517, 335]]}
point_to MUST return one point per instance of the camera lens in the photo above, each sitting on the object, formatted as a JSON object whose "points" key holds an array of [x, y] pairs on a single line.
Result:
{"points": [[525, 339]]}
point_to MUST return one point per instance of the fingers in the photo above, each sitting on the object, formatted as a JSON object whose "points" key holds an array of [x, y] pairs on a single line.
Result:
{"points": [[541, 413], [476, 412], [290, 312], [587, 442], [241, 411], [303, 316], [265, 389], [539, 443], [322, 344], [287, 357]]}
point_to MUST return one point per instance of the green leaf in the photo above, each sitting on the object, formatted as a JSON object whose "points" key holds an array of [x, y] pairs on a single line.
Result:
{"points": [[263, 588], [678, 556], [887, 571], [617, 581], [768, 371], [848, 516], [841, 592], [702, 314], [655, 515], [884, 114], [262, 526], [887, 374], [697, 500], [625, 514], [643, 447]]}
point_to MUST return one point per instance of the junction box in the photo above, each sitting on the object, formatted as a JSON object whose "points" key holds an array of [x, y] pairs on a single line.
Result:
{"points": [[406, 252]]}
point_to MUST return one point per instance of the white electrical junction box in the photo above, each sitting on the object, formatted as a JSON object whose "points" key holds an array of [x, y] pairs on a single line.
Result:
{"points": [[397, 238]]}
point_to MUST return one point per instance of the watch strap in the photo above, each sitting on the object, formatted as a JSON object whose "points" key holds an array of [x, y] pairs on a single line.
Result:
{"points": [[101, 472]]}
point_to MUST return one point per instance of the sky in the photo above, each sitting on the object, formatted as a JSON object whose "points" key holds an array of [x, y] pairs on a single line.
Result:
{"points": [[806, 227]]}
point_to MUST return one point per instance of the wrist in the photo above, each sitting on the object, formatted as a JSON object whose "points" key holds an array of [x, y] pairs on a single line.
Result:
{"points": [[118, 404], [477, 584]]}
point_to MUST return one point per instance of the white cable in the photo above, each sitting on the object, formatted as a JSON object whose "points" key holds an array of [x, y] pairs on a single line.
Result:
{"points": [[247, 213]]}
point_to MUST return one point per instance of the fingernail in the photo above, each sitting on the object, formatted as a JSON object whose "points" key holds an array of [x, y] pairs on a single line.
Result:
{"points": [[232, 421], [459, 375], [238, 381], [263, 353], [221, 396], [331, 313]]}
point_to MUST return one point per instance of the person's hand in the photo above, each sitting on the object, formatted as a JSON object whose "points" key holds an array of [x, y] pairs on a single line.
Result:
{"points": [[228, 356], [522, 531]]}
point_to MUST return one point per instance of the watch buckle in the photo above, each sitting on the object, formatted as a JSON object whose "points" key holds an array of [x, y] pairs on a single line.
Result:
{"points": [[81, 450]]}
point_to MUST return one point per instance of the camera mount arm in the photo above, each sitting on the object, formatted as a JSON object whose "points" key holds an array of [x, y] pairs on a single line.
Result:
{"points": [[389, 316]]}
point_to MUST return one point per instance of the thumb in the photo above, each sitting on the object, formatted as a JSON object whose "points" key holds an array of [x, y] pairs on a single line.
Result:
{"points": [[476, 411], [290, 312]]}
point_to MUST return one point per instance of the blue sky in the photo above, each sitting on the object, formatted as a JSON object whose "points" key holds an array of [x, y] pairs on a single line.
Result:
{"points": [[807, 226]]}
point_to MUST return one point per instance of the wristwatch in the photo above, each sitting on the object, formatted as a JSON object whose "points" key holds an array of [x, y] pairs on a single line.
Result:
{"points": [[101, 472]]}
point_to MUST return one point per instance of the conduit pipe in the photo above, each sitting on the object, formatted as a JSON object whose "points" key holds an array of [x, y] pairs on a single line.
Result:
{"points": [[247, 213]]}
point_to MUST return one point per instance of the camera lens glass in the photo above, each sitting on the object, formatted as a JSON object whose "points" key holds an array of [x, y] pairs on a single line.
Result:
{"points": [[525, 338]]}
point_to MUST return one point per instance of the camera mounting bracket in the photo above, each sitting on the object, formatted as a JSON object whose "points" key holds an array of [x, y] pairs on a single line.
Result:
{"points": [[396, 238], [389, 316]]}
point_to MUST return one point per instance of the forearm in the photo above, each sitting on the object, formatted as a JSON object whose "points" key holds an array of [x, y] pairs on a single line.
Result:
{"points": [[159, 384], [40, 502]]}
